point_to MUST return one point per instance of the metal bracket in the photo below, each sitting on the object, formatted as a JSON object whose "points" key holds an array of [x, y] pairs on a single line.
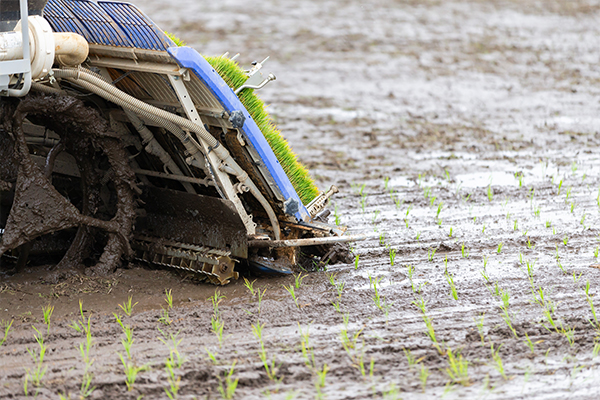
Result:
{"points": [[255, 77]]}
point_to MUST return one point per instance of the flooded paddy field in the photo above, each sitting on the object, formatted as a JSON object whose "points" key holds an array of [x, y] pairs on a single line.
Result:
{"points": [[463, 136]]}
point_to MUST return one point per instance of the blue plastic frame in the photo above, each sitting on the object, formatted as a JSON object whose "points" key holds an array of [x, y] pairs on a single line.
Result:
{"points": [[189, 58]]}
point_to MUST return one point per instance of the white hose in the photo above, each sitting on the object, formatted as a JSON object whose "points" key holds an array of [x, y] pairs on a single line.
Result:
{"points": [[104, 89], [153, 147]]}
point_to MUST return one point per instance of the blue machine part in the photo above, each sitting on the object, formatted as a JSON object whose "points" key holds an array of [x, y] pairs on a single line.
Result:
{"points": [[189, 58], [62, 20], [108, 23], [142, 32]]}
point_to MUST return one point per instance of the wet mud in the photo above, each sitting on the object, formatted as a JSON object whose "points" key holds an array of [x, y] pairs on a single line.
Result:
{"points": [[463, 135]]}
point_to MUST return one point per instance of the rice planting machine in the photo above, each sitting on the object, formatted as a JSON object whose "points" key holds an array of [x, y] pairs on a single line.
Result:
{"points": [[116, 143]]}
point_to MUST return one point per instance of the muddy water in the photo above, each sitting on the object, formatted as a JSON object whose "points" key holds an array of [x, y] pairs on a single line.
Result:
{"points": [[484, 107]]}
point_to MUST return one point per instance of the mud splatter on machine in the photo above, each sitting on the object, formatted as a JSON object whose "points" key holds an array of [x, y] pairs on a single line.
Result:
{"points": [[117, 143]]}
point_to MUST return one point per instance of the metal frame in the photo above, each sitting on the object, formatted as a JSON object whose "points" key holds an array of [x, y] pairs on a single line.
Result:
{"points": [[20, 66]]}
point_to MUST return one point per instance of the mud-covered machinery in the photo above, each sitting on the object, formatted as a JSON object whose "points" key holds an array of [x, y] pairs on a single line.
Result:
{"points": [[116, 143]]}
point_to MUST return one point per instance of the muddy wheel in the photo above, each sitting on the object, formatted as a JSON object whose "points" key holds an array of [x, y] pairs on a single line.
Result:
{"points": [[40, 208]]}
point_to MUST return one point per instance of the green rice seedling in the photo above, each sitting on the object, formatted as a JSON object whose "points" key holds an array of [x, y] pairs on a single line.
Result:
{"points": [[172, 341], [408, 210], [356, 261], [505, 295], [508, 214], [439, 209], [568, 194], [398, 203], [423, 375], [565, 240], [576, 277], [336, 215], [410, 269], [85, 324], [406, 222], [499, 250], [127, 306], [450, 233], [337, 306], [432, 200], [173, 381], [529, 244], [375, 214], [382, 239], [536, 212], [498, 364], [392, 393], [515, 227], [569, 334], [412, 361], [386, 180], [127, 342], [332, 278], [464, 251], [458, 368], [450, 280], [574, 167], [483, 229], [485, 261], [548, 223], [363, 203], [520, 177], [269, 365], [261, 294], [299, 176], [392, 254], [349, 342], [47, 312], [6, 325], [38, 358], [596, 349], [490, 193], [320, 381], [212, 356], [479, 323], [520, 258], [164, 318], [446, 264], [590, 301], [307, 351], [427, 192], [547, 306], [298, 280], [228, 387], [573, 207], [559, 186], [217, 326], [418, 236], [421, 304], [530, 266], [530, 344], [339, 287], [131, 371], [250, 286], [430, 254], [596, 251]]}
